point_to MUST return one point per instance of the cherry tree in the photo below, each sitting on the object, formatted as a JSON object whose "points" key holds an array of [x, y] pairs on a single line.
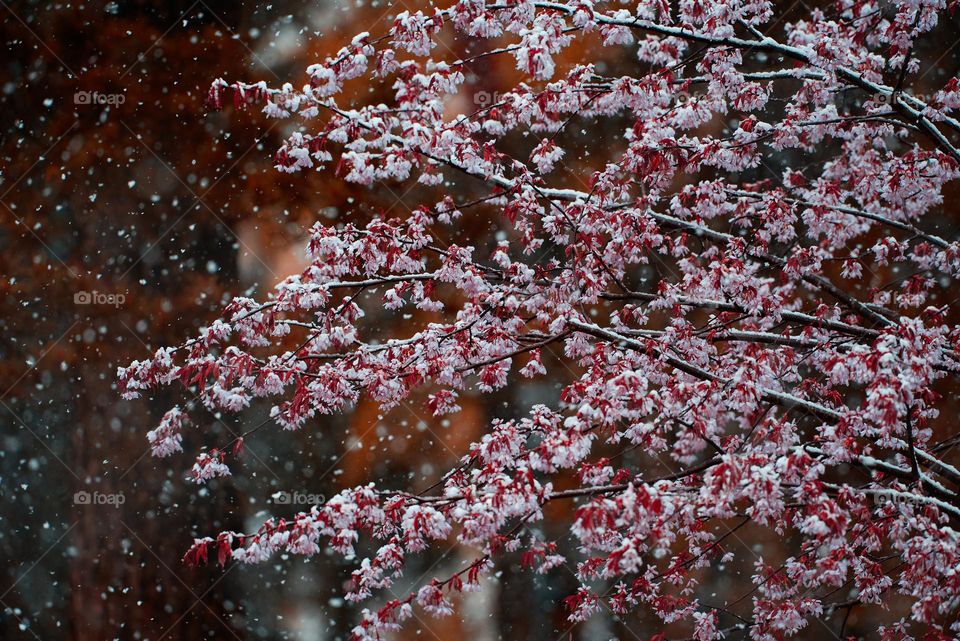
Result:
{"points": [[789, 362]]}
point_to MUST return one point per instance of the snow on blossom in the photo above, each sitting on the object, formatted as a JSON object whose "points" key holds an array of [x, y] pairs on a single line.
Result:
{"points": [[208, 466], [743, 287], [167, 438]]}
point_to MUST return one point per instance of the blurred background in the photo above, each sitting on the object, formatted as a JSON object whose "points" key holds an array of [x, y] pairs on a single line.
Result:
{"points": [[129, 215]]}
